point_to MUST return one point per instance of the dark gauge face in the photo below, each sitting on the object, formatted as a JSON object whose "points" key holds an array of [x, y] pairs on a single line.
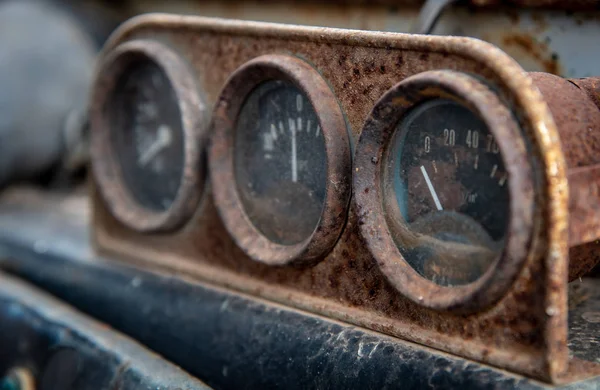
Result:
{"points": [[447, 183], [280, 162], [147, 135]]}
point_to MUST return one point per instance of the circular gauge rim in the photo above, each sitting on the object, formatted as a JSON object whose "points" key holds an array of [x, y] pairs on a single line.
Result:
{"points": [[337, 148], [368, 187], [105, 161]]}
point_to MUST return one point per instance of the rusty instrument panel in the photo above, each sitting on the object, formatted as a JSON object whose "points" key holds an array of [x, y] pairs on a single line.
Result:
{"points": [[425, 187]]}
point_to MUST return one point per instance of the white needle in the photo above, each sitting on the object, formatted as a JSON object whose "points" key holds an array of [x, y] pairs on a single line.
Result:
{"points": [[431, 189], [294, 158], [162, 140]]}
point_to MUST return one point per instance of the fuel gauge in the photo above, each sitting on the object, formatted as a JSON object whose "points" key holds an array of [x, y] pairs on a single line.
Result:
{"points": [[147, 125], [280, 161]]}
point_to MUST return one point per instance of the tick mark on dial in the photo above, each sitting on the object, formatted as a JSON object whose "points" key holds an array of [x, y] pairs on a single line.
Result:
{"points": [[503, 180], [494, 170]]}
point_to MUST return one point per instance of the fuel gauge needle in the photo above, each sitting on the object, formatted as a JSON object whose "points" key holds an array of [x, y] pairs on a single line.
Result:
{"points": [[431, 189]]}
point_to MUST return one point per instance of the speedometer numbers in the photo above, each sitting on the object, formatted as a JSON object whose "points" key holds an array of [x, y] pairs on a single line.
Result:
{"points": [[455, 217], [280, 161]]}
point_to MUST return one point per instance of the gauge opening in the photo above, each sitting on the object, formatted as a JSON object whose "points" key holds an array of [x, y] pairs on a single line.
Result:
{"points": [[256, 242], [380, 226]]}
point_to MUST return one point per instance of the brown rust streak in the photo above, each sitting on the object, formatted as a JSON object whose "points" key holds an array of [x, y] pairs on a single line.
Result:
{"points": [[578, 120], [538, 50], [516, 333]]}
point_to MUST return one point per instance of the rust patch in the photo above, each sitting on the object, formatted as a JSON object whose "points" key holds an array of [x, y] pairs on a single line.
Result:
{"points": [[577, 117], [539, 51], [591, 85]]}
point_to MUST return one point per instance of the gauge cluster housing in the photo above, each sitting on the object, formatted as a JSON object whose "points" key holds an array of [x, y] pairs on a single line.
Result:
{"points": [[515, 317]]}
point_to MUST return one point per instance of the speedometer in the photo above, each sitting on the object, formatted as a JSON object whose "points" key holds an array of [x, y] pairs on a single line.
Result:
{"points": [[450, 184]]}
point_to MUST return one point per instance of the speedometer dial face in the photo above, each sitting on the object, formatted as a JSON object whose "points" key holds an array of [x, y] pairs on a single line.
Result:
{"points": [[447, 178], [148, 136], [280, 162]]}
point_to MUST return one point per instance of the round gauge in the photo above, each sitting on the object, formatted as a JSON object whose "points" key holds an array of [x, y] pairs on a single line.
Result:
{"points": [[453, 219], [280, 161], [147, 134], [448, 179], [147, 123]]}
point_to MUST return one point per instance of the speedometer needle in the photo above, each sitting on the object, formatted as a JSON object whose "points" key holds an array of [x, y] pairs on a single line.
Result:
{"points": [[163, 140], [431, 189]]}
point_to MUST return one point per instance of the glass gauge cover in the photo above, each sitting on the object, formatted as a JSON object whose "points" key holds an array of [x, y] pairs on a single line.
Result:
{"points": [[280, 162], [447, 189], [147, 127], [147, 135]]}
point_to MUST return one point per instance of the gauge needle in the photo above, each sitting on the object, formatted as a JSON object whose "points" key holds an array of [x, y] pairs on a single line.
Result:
{"points": [[431, 189], [294, 157], [162, 140]]}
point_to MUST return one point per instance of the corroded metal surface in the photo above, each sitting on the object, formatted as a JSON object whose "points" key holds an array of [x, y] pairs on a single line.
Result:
{"points": [[370, 196], [194, 124], [578, 121], [526, 331], [591, 85], [576, 116], [337, 149]]}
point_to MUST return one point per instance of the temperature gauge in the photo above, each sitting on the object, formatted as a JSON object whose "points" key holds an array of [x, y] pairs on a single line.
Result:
{"points": [[280, 161], [147, 123], [454, 218]]}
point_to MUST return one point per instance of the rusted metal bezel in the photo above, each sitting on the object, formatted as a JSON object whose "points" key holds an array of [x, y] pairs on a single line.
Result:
{"points": [[370, 192], [106, 165], [337, 147]]}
